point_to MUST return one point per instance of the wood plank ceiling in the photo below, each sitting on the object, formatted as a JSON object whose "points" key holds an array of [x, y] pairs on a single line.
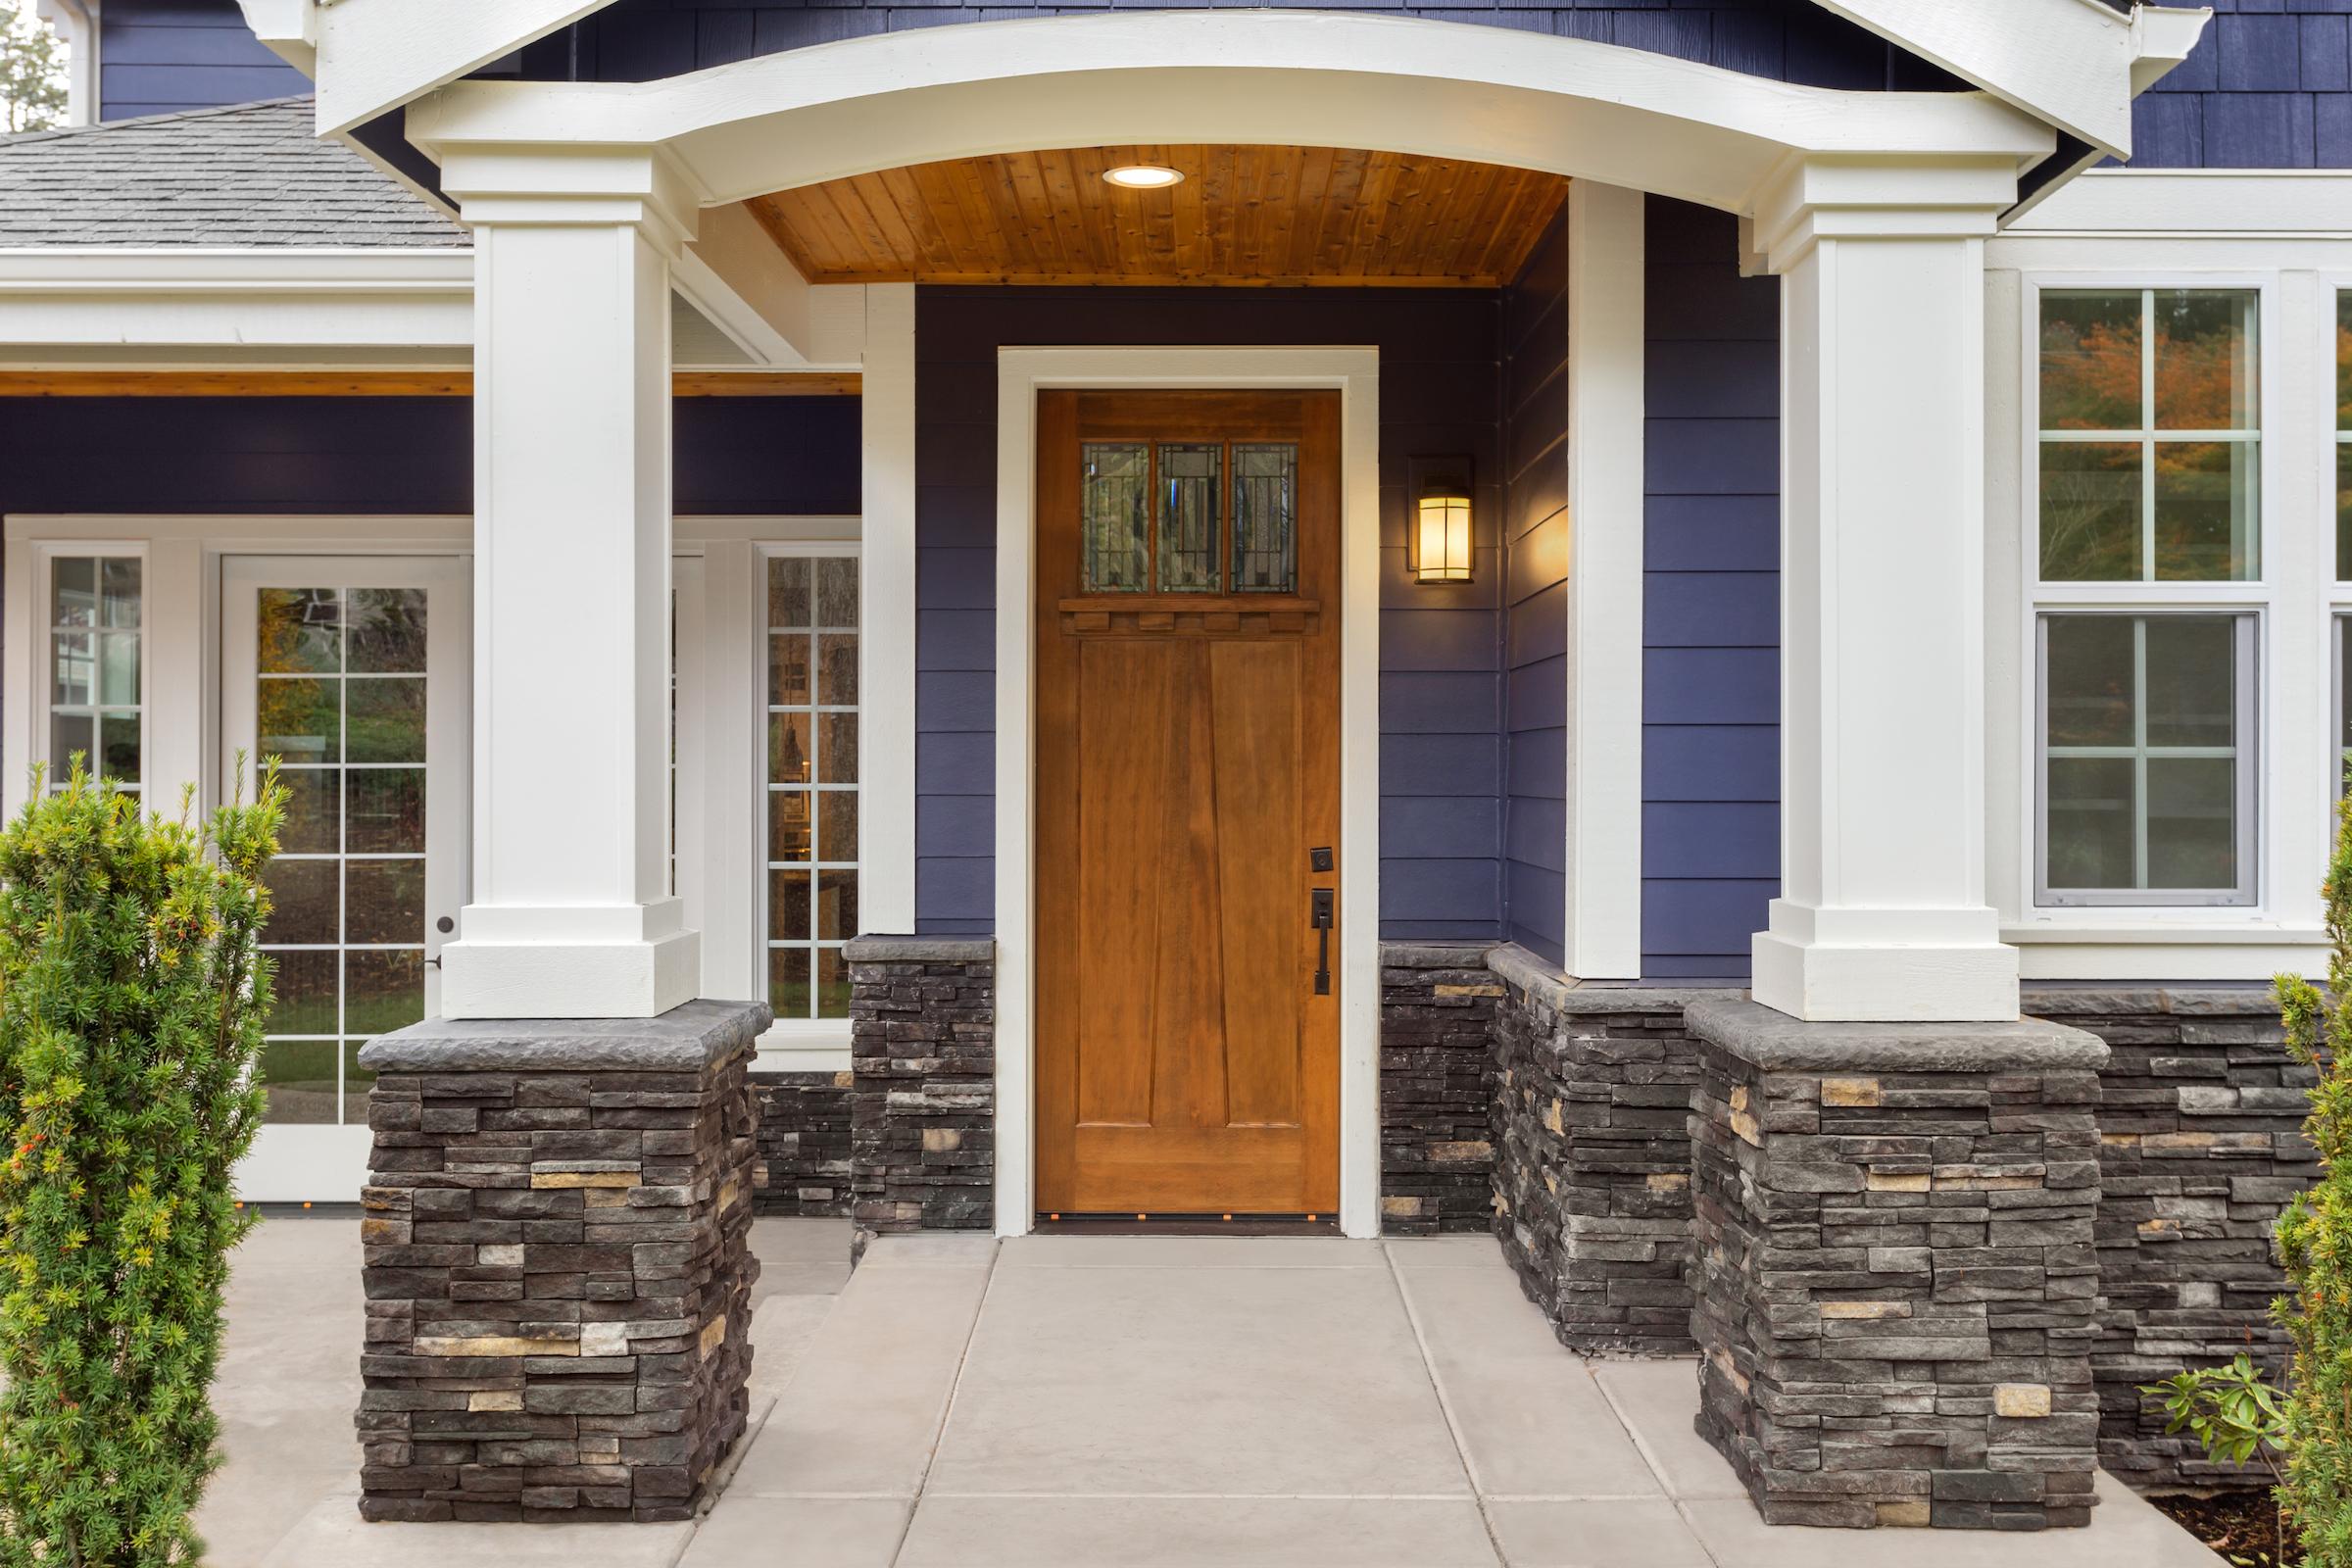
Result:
{"points": [[1242, 215]]}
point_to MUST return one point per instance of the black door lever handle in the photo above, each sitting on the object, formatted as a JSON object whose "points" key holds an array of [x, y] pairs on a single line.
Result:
{"points": [[1320, 910]]}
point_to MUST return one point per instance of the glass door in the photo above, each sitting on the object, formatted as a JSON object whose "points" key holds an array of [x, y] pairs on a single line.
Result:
{"points": [[351, 672]]}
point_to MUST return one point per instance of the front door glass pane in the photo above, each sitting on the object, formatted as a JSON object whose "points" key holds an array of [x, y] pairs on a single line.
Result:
{"points": [[1188, 517], [1266, 517], [1115, 500], [340, 703]]}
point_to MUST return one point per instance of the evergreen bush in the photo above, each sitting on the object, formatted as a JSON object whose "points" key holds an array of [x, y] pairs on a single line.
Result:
{"points": [[2314, 1240], [131, 1002]]}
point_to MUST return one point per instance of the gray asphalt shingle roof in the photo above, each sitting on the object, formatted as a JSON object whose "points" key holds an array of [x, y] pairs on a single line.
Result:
{"points": [[248, 174]]}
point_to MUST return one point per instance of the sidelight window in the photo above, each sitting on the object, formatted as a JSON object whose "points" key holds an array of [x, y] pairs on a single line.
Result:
{"points": [[812, 780], [96, 703]]}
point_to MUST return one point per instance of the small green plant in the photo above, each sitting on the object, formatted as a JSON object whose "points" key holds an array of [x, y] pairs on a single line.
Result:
{"points": [[2233, 1411], [2314, 1240], [132, 1001]]}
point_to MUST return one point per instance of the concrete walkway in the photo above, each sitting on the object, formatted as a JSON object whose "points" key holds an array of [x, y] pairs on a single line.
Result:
{"points": [[1148, 1401]]}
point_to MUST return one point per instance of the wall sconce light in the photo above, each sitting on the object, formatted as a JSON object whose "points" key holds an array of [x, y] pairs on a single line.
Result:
{"points": [[1440, 548]]}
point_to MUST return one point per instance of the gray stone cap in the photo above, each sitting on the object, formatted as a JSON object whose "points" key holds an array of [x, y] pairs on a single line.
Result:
{"points": [[920, 950], [685, 1039], [1434, 955], [2061, 999], [1771, 1040], [1546, 985]]}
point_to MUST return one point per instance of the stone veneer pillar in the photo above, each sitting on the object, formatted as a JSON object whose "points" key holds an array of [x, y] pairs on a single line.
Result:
{"points": [[1436, 1082], [558, 1264], [1896, 1278], [923, 1082]]}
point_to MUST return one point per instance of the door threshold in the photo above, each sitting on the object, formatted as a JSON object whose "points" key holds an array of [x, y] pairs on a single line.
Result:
{"points": [[1131, 1224]]}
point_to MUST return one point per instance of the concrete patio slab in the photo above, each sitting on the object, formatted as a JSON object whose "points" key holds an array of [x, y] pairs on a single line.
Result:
{"points": [[1071, 1401]]}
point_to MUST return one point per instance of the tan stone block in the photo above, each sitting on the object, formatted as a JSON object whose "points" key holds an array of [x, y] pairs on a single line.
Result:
{"points": [[605, 1197], [1668, 1182], [1400, 1207], [1747, 1127], [1552, 1123], [942, 1140], [375, 1231], [1466, 991], [603, 1338], [2027, 1401], [1910, 1513], [1730, 1370], [1461, 1152], [1740, 1096], [1850, 1091], [2160, 1141], [2159, 1229], [715, 1334], [492, 1345], [1897, 1181], [587, 1178], [506, 1255], [1865, 1310], [729, 1192], [495, 1400]]}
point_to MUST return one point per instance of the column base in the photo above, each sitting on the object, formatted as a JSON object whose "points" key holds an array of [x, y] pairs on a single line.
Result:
{"points": [[640, 977], [1895, 1267], [558, 1265], [923, 1082], [1885, 965]]}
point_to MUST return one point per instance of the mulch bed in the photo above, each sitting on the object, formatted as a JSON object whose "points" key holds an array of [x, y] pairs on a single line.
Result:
{"points": [[2241, 1526]]}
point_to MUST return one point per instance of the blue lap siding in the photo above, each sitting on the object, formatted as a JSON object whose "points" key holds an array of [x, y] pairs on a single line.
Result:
{"points": [[155, 56], [1710, 735], [1441, 682]]}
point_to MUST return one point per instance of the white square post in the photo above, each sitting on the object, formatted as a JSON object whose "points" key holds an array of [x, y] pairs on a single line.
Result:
{"points": [[1883, 912], [572, 915]]}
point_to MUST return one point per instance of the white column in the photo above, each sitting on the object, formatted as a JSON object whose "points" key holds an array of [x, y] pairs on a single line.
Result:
{"points": [[572, 914], [885, 754], [1883, 912]]}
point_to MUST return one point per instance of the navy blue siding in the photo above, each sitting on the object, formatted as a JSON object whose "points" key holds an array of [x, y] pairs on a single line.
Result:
{"points": [[1710, 760], [374, 456], [2269, 87], [155, 56], [1535, 535], [1441, 691], [1788, 40]]}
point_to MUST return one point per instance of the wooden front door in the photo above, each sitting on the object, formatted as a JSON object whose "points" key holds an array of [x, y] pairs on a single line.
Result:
{"points": [[1188, 645]]}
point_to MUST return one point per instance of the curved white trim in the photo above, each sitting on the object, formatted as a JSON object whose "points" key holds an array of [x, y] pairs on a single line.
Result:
{"points": [[1566, 106]]}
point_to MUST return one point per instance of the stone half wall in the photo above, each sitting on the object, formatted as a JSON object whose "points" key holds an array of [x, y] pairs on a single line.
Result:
{"points": [[2200, 1146], [803, 1168], [923, 1082], [1592, 1168], [1436, 1082]]}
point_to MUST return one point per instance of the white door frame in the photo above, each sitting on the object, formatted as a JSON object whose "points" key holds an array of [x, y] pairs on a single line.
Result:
{"points": [[318, 1161], [1354, 373]]}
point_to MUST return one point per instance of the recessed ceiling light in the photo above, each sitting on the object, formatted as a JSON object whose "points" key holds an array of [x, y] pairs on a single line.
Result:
{"points": [[1143, 177]]}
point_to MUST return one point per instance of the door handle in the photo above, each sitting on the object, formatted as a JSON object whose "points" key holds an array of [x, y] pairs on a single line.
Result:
{"points": [[1320, 911]]}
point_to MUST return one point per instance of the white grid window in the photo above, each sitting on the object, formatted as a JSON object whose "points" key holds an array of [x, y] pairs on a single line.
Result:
{"points": [[811, 779], [95, 694], [2148, 548]]}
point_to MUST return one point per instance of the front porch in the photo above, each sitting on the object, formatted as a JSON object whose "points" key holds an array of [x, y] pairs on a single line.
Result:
{"points": [[1070, 1400]]}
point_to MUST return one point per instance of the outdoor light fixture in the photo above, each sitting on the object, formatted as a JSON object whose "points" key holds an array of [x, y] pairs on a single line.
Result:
{"points": [[1144, 176], [1439, 541]]}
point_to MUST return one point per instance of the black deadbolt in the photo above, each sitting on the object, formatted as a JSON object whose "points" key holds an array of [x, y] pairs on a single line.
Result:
{"points": [[444, 925], [1319, 859]]}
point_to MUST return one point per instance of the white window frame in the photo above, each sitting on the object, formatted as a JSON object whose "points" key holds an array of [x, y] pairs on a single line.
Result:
{"points": [[2244, 751], [40, 704], [2145, 240], [719, 573]]}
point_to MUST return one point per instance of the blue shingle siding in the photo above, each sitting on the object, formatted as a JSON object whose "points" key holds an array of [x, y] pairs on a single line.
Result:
{"points": [[155, 56], [1710, 761], [2269, 87], [1535, 534], [1789, 40], [385, 455], [1442, 760]]}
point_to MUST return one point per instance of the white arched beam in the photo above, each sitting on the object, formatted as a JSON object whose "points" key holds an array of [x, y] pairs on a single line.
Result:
{"points": [[1567, 106]]}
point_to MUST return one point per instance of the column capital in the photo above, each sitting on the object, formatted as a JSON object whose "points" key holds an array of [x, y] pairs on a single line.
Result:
{"points": [[1879, 196], [643, 187]]}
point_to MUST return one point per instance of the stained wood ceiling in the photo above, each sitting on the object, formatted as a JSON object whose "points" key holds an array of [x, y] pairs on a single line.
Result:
{"points": [[1242, 215]]}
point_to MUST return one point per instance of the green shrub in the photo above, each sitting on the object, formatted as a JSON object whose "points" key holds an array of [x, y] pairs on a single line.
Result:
{"points": [[2315, 1238], [132, 1001]]}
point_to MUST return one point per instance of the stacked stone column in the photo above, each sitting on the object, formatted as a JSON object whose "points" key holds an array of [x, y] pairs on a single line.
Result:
{"points": [[1897, 1278], [923, 1095], [557, 1265], [1437, 1073]]}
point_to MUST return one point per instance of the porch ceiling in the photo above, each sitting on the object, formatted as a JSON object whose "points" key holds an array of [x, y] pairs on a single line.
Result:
{"points": [[1243, 215]]}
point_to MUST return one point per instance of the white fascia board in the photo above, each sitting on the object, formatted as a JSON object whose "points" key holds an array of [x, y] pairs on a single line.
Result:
{"points": [[243, 298], [2196, 203], [284, 28], [1565, 106], [375, 55], [2069, 61]]}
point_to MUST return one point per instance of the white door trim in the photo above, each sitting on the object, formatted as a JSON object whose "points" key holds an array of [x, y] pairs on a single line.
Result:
{"points": [[1354, 373]]}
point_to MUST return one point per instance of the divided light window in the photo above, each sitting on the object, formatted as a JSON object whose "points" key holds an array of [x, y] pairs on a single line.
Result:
{"points": [[811, 780], [95, 706], [2148, 513]]}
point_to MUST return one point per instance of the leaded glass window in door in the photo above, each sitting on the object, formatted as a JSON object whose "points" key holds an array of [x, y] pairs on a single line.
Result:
{"points": [[1189, 517]]}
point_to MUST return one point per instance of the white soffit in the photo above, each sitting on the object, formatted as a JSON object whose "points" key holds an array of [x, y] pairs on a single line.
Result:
{"points": [[2077, 63]]}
